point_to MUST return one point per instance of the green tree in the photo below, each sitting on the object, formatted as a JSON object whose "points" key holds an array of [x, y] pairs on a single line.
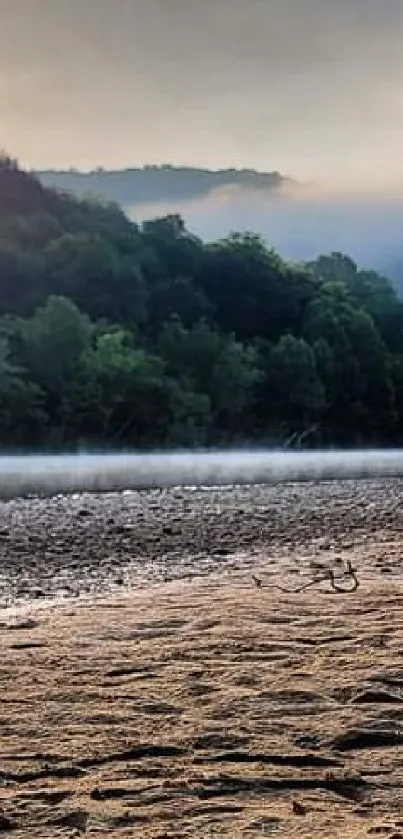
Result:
{"points": [[353, 364], [169, 250], [216, 365], [254, 292], [294, 395], [133, 393], [22, 416], [124, 334], [101, 281], [21, 278], [368, 290], [49, 346]]}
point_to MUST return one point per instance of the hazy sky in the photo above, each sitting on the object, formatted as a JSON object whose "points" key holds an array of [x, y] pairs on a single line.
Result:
{"points": [[312, 88]]}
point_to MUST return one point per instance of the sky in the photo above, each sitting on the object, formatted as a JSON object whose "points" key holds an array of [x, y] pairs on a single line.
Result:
{"points": [[311, 88]]}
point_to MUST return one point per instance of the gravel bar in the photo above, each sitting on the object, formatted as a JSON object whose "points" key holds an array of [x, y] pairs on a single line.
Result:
{"points": [[91, 543]]}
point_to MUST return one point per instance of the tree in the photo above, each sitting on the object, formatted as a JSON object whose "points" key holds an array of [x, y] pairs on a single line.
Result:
{"points": [[353, 364], [49, 346], [208, 362], [176, 297], [367, 290], [20, 399], [101, 281], [254, 293], [21, 278], [293, 391], [52, 342], [169, 249], [114, 333], [20, 192], [134, 394]]}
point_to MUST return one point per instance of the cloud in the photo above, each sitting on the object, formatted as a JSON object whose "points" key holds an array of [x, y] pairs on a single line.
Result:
{"points": [[306, 86]]}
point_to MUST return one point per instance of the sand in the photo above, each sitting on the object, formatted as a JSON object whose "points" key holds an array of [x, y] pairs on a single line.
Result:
{"points": [[150, 689]]}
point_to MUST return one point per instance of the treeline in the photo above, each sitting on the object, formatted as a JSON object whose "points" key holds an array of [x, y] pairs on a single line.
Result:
{"points": [[116, 334], [129, 187]]}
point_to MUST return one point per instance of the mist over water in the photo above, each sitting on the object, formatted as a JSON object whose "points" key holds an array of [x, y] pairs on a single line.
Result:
{"points": [[64, 474]]}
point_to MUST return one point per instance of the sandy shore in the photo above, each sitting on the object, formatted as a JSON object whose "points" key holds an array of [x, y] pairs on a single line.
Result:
{"points": [[86, 545], [162, 695], [199, 710]]}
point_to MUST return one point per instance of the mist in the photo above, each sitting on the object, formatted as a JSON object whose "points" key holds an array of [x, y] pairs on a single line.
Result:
{"points": [[47, 475], [300, 222]]}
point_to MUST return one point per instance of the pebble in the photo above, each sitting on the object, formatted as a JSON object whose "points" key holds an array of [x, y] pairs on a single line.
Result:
{"points": [[66, 545]]}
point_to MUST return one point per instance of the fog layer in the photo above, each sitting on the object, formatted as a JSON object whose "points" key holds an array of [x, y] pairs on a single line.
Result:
{"points": [[50, 475], [300, 222]]}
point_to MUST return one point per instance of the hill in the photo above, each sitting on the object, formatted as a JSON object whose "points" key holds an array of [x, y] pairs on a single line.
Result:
{"points": [[301, 223], [115, 333], [151, 184]]}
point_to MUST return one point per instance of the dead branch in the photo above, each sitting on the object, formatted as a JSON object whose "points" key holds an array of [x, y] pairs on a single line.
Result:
{"points": [[346, 581]]}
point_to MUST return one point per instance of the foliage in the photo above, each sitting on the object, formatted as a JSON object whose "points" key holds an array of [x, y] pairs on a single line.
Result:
{"points": [[117, 334]]}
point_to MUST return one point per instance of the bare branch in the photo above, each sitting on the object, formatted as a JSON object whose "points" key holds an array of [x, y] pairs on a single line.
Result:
{"points": [[348, 575]]}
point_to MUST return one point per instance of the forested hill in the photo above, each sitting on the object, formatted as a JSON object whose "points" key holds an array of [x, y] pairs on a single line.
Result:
{"points": [[150, 184], [300, 222], [118, 334]]}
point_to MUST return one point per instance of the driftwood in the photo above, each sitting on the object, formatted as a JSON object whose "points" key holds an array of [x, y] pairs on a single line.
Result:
{"points": [[345, 583]]}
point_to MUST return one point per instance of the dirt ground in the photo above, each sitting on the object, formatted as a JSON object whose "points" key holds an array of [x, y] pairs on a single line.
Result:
{"points": [[181, 701]]}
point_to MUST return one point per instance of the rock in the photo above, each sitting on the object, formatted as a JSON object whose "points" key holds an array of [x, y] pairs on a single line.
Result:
{"points": [[6, 825], [77, 820], [374, 696], [267, 825], [155, 530], [30, 623], [367, 739]]}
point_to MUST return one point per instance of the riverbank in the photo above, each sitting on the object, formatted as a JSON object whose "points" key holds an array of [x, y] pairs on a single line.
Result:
{"points": [[86, 545]]}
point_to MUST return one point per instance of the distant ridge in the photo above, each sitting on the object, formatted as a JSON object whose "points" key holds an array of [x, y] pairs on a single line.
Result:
{"points": [[300, 224], [151, 184]]}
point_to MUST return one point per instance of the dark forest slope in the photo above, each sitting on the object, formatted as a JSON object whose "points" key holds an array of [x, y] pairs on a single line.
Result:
{"points": [[298, 222], [123, 334]]}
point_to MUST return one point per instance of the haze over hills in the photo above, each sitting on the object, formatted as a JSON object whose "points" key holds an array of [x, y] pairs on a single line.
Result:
{"points": [[120, 334], [130, 187], [299, 221]]}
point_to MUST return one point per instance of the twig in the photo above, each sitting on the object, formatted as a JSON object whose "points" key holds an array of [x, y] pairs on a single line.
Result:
{"points": [[327, 575]]}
